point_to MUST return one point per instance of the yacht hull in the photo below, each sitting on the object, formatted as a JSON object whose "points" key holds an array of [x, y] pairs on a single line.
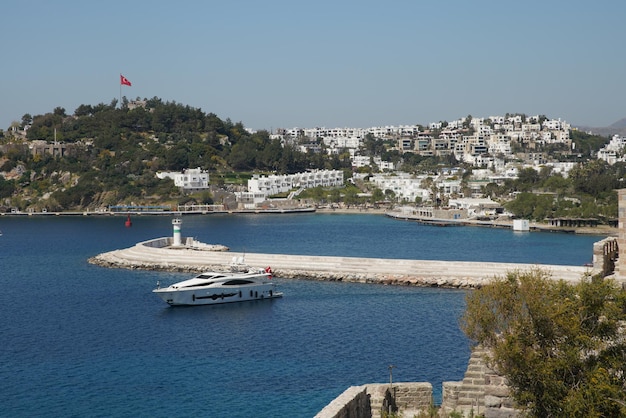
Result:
{"points": [[215, 295]]}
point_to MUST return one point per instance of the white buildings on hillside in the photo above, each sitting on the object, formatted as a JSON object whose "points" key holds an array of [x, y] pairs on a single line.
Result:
{"points": [[563, 168], [477, 141], [405, 186], [276, 184], [613, 151], [363, 161], [261, 187], [190, 180]]}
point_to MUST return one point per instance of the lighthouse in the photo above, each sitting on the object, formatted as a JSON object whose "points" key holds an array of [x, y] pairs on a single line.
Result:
{"points": [[176, 225]]}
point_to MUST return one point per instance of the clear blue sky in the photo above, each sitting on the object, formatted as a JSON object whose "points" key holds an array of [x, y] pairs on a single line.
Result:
{"points": [[340, 63]]}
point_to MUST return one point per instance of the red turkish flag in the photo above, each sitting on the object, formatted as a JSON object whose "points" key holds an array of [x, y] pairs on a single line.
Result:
{"points": [[124, 81]]}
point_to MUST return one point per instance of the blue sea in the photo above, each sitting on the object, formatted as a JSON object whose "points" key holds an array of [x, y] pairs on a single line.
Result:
{"points": [[80, 340]]}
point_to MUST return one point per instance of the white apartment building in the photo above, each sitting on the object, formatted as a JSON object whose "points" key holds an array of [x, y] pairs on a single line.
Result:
{"points": [[334, 132], [191, 179], [275, 184], [404, 185], [361, 161], [613, 151], [340, 142], [497, 119], [456, 124], [499, 144], [562, 168], [556, 125], [449, 186], [435, 125], [364, 161]]}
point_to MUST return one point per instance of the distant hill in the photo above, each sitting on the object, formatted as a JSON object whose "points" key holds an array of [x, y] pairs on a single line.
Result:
{"points": [[618, 128], [620, 124]]}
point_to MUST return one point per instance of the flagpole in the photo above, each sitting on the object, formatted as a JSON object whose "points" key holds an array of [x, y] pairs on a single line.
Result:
{"points": [[120, 90]]}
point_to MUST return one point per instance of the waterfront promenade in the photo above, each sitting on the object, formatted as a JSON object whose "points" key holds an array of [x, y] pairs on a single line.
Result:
{"points": [[158, 254]]}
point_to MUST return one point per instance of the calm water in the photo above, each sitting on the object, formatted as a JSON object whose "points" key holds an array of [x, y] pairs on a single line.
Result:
{"points": [[80, 340]]}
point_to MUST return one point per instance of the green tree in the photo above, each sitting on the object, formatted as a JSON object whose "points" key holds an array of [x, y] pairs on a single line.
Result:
{"points": [[351, 197], [595, 178], [557, 183], [7, 187], [373, 146], [489, 189], [531, 206], [586, 144], [270, 154], [335, 195], [377, 195], [559, 345], [527, 179], [59, 111], [390, 195], [27, 119]]}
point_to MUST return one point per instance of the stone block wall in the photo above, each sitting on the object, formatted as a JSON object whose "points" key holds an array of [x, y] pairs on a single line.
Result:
{"points": [[369, 401], [450, 396], [467, 396], [354, 402], [620, 267], [498, 402], [605, 254], [412, 398], [481, 391]]}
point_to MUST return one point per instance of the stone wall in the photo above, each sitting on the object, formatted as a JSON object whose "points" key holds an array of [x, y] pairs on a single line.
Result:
{"points": [[370, 401], [620, 267], [481, 391], [605, 254], [354, 402], [411, 398], [467, 396]]}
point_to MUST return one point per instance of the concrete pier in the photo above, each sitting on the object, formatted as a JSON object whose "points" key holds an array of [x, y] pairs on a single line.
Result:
{"points": [[158, 254]]}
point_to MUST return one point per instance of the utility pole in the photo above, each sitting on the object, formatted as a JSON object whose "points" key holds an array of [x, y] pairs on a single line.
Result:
{"points": [[391, 366]]}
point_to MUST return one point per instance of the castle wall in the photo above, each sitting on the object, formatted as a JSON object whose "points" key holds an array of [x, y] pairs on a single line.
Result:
{"points": [[370, 401], [620, 267], [481, 391]]}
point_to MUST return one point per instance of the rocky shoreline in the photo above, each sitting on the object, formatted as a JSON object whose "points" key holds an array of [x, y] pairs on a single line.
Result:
{"points": [[327, 276]]}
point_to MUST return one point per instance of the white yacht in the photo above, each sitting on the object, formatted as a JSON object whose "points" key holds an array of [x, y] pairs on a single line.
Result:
{"points": [[211, 288]]}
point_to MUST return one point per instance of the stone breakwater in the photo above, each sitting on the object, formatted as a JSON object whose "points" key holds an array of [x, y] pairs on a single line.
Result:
{"points": [[158, 254]]}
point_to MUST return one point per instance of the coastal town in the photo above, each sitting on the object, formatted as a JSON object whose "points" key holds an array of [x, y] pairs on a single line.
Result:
{"points": [[517, 172], [313, 209], [476, 157]]}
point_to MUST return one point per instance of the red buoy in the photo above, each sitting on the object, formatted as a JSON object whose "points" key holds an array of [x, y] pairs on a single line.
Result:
{"points": [[128, 222]]}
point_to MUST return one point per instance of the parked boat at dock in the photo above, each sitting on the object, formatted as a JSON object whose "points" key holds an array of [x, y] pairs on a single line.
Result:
{"points": [[212, 288]]}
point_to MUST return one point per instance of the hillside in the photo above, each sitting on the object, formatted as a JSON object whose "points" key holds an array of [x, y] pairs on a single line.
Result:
{"points": [[106, 155], [617, 128], [109, 155]]}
